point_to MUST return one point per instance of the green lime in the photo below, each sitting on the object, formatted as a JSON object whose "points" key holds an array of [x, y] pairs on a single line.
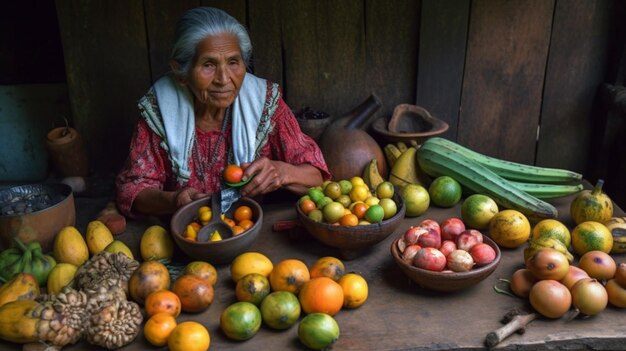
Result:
{"points": [[315, 194], [375, 213], [325, 200], [346, 186], [444, 191]]}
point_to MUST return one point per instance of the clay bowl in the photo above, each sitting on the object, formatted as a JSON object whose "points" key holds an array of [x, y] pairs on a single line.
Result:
{"points": [[446, 281], [215, 252], [409, 123], [50, 208], [313, 124], [353, 241]]}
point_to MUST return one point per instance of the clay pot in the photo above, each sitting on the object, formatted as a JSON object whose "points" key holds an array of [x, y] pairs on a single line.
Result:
{"points": [[67, 152], [346, 145]]}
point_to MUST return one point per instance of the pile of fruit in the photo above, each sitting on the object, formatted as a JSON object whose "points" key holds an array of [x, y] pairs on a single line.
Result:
{"points": [[241, 221], [448, 246], [349, 202], [277, 295]]}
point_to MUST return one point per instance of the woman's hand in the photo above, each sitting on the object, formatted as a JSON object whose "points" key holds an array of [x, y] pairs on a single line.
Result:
{"points": [[152, 201], [187, 195], [273, 175]]}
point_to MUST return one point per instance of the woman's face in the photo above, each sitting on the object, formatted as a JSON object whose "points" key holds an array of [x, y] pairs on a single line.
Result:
{"points": [[218, 71]]}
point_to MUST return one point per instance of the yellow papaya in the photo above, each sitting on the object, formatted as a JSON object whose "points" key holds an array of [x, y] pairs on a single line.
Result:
{"points": [[23, 286]]}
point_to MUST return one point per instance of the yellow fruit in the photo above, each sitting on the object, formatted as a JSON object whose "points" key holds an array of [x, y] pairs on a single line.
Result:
{"points": [[592, 205], [98, 236], [156, 244], [189, 336], [416, 199], [509, 228], [355, 290], [158, 328], [250, 262], [552, 228], [589, 236], [359, 192], [477, 210], [118, 246], [60, 275], [70, 247]]}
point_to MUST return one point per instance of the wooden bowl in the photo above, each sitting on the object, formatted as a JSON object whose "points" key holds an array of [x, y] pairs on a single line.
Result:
{"points": [[351, 240], [215, 252], [52, 206], [410, 123], [446, 281]]}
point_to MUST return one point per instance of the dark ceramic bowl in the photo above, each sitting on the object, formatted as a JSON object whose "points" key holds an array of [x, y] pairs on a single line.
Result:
{"points": [[353, 239], [446, 281], [410, 123], [50, 208], [215, 252]]}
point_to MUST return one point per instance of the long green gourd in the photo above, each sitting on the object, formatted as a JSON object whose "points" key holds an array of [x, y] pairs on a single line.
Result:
{"points": [[437, 160], [512, 170]]}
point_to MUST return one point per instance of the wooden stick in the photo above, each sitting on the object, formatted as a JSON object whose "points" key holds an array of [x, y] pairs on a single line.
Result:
{"points": [[516, 323]]}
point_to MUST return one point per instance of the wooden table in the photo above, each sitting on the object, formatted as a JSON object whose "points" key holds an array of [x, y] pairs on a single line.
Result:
{"points": [[398, 315]]}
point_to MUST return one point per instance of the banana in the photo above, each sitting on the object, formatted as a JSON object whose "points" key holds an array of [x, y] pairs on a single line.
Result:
{"points": [[371, 175], [617, 226], [550, 243], [401, 146], [404, 170], [391, 154]]}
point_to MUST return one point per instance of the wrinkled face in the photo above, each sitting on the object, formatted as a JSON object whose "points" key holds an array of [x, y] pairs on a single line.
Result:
{"points": [[218, 71]]}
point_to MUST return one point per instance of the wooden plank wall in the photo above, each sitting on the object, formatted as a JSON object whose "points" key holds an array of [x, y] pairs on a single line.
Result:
{"points": [[495, 70]]}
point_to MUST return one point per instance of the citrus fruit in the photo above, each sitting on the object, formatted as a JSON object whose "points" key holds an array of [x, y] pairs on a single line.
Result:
{"points": [[345, 200], [375, 213], [241, 320], [345, 186], [359, 209], [372, 200], [359, 192], [321, 294], [333, 212], [332, 190], [60, 275], [203, 270], [328, 266], [158, 328], [233, 174], [318, 331], [189, 336], [242, 212], [416, 199], [477, 210], [156, 244], [315, 194], [250, 262], [162, 301], [552, 228], [389, 207], [349, 220], [355, 290], [509, 228], [356, 180], [253, 288], [289, 275], [196, 294], [590, 236], [385, 190], [280, 309], [321, 203], [316, 215], [444, 191]]}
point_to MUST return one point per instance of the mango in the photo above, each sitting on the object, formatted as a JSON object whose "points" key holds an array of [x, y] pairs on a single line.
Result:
{"points": [[70, 247], [98, 236]]}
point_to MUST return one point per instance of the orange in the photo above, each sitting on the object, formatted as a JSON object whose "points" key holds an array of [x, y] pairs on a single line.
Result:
{"points": [[245, 224], [238, 230], [322, 295], [189, 336], [203, 270], [289, 275], [509, 228], [355, 290], [243, 212], [162, 301], [229, 221], [158, 328], [328, 266], [307, 205], [349, 220], [233, 174]]}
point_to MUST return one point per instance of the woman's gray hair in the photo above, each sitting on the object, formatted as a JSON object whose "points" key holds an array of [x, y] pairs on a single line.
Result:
{"points": [[196, 25]]}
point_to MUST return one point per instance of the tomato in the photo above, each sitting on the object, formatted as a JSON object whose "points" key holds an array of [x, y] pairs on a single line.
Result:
{"points": [[280, 309], [241, 320], [318, 331]]}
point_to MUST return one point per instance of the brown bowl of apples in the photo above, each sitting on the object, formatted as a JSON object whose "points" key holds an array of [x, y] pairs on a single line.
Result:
{"points": [[443, 259]]}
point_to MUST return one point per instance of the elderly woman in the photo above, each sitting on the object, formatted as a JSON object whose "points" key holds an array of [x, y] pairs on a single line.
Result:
{"points": [[207, 113]]}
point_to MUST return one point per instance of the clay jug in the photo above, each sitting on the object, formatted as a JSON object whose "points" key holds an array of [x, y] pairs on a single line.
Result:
{"points": [[346, 145]]}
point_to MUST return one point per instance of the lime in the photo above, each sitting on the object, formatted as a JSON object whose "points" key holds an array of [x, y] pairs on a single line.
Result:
{"points": [[315, 194], [416, 199], [478, 210], [346, 186], [375, 213], [332, 190], [333, 212], [325, 200], [444, 191], [389, 207]]}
